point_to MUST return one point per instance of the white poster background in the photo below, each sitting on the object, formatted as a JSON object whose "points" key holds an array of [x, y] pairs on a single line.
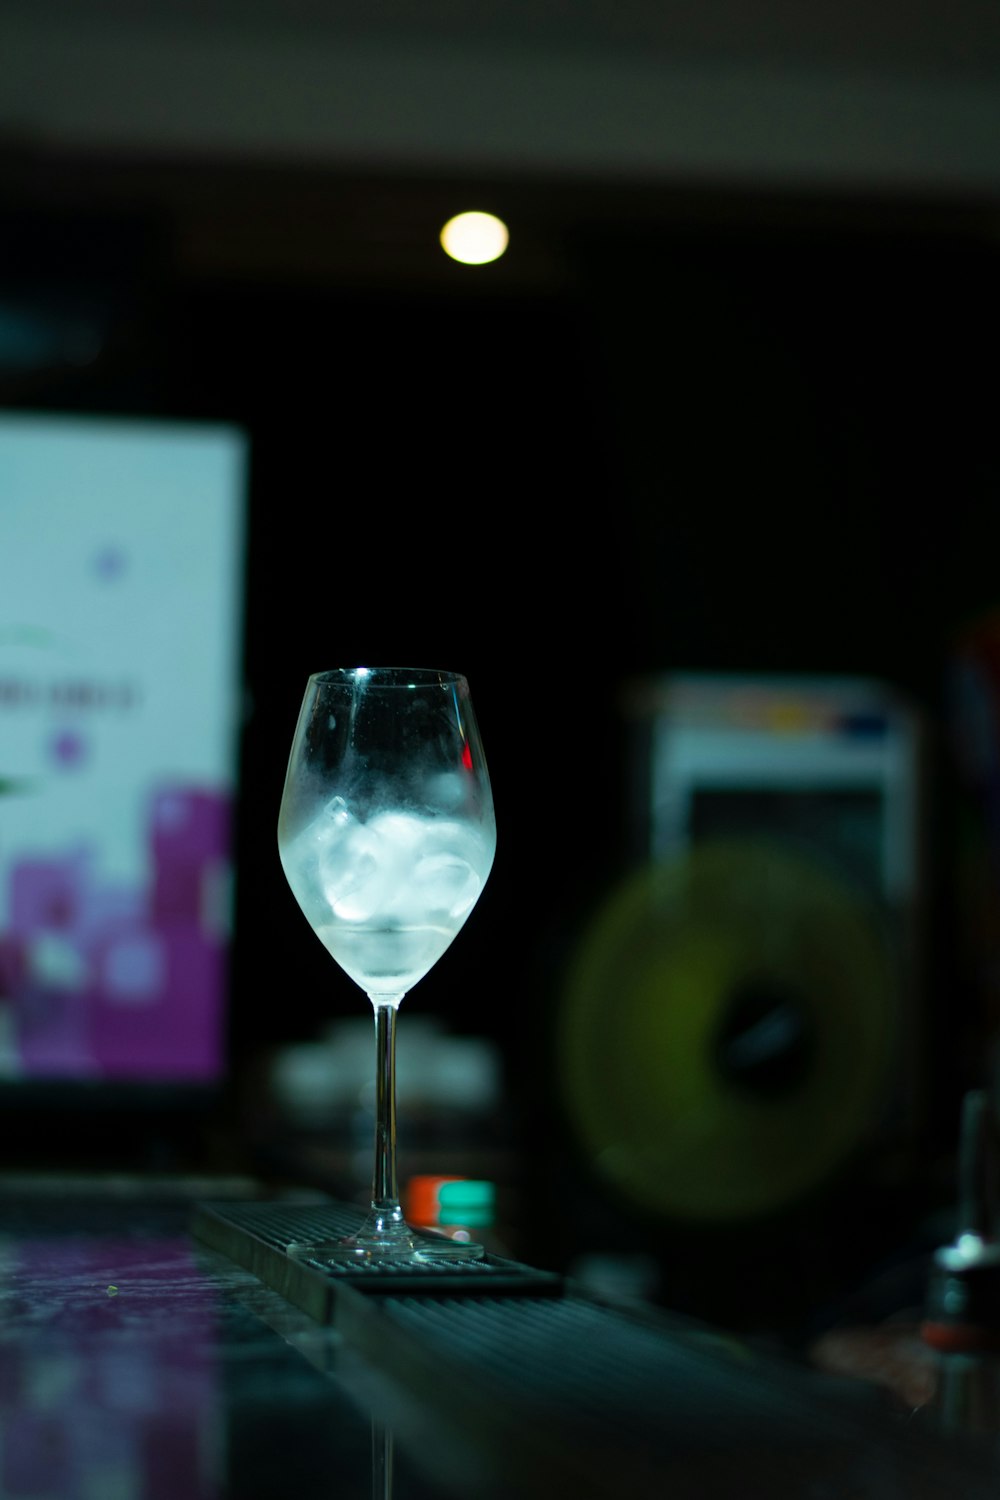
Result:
{"points": [[121, 572]]}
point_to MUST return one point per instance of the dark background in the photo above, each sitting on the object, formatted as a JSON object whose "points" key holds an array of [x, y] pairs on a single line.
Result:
{"points": [[735, 426], [726, 433]]}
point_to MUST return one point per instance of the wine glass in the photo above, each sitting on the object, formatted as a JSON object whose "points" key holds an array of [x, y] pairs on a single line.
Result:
{"points": [[386, 834]]}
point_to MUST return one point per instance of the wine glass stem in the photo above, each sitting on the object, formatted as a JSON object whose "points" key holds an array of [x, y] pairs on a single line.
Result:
{"points": [[385, 1189]]}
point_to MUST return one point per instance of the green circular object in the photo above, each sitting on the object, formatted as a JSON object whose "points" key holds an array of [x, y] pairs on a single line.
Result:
{"points": [[725, 1035]]}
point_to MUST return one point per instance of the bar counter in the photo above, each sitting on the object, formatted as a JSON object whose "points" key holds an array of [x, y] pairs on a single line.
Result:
{"points": [[139, 1362]]}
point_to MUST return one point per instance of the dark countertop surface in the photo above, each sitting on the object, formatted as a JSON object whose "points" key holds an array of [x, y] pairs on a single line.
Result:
{"points": [[138, 1363]]}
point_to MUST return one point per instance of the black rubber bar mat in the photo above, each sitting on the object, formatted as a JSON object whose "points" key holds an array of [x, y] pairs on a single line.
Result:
{"points": [[282, 1245]]}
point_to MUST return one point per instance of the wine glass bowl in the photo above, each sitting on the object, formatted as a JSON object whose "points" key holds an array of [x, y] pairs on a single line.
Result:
{"points": [[386, 834]]}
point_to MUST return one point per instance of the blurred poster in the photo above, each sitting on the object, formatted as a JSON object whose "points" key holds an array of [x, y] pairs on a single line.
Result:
{"points": [[121, 575]]}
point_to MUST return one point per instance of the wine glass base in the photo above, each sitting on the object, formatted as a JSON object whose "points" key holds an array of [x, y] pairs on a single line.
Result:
{"points": [[393, 1245], [397, 1254]]}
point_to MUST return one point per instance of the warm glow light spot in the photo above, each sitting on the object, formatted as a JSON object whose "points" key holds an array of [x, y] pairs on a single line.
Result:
{"points": [[474, 238]]}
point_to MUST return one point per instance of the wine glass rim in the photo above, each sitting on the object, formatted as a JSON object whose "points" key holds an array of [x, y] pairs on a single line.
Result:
{"points": [[387, 677]]}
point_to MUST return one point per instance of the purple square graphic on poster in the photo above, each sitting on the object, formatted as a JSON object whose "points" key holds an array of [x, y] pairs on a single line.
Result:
{"points": [[121, 576]]}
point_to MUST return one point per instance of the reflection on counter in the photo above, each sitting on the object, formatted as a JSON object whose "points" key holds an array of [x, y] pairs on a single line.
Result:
{"points": [[135, 1364], [88, 1409]]}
